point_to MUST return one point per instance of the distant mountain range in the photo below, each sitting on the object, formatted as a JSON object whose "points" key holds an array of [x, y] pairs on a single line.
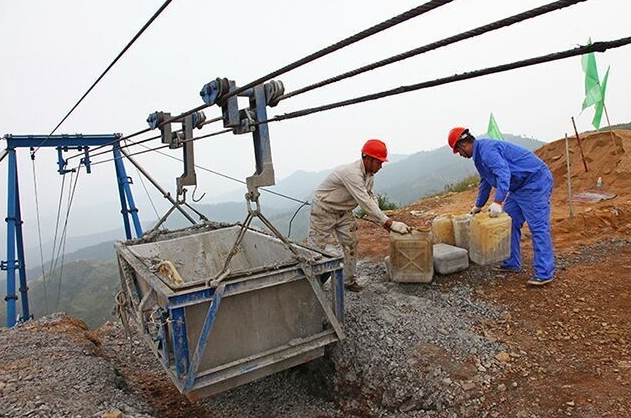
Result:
{"points": [[428, 172], [86, 291]]}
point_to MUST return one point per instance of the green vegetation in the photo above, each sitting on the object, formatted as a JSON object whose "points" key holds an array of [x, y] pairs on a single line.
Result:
{"points": [[384, 203], [460, 186], [86, 291]]}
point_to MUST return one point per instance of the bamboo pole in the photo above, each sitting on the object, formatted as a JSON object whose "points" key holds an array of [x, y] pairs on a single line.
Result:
{"points": [[613, 141], [569, 177], [580, 147]]}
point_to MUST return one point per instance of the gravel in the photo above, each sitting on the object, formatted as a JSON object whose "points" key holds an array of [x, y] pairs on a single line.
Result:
{"points": [[411, 350], [51, 367]]}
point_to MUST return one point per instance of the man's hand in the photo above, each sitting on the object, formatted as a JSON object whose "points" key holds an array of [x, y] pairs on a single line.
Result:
{"points": [[400, 227], [474, 210], [495, 210]]}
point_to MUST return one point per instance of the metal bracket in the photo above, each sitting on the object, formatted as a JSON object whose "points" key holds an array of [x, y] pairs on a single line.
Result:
{"points": [[4, 265], [248, 120], [188, 178], [182, 139], [62, 163], [156, 120], [264, 173]]}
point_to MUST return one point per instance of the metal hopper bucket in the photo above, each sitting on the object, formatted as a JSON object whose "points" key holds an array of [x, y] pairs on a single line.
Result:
{"points": [[270, 313]]}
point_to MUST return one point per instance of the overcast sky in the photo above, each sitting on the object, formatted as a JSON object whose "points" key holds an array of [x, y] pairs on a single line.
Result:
{"points": [[51, 52]]}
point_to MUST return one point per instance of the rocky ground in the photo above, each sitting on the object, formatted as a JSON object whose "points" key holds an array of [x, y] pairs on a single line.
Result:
{"points": [[54, 367], [472, 344]]}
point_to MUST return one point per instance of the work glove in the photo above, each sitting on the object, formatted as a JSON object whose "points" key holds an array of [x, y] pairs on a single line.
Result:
{"points": [[400, 227], [495, 210], [474, 210]]}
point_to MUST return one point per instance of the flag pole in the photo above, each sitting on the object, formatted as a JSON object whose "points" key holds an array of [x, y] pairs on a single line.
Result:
{"points": [[613, 141], [569, 177], [580, 147]]}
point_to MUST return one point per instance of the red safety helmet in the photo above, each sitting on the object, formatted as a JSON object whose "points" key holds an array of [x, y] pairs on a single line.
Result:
{"points": [[376, 149], [455, 135]]}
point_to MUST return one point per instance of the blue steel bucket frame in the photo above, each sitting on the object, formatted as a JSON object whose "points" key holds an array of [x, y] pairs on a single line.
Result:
{"points": [[174, 353], [15, 239]]}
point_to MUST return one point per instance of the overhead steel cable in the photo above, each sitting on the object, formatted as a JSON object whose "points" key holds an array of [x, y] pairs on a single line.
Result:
{"points": [[157, 150], [39, 233], [234, 179], [520, 17], [224, 131], [127, 137], [426, 48], [417, 11], [126, 145], [62, 247], [120, 54], [59, 206], [595, 47], [380, 27]]}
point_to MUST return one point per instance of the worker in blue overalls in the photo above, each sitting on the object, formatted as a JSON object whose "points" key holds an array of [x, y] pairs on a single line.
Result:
{"points": [[523, 185]]}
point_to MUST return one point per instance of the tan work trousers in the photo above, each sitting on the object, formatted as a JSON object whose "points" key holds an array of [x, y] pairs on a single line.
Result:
{"points": [[322, 227]]}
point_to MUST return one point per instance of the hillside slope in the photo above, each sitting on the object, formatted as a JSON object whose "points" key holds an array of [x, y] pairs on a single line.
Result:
{"points": [[86, 291]]}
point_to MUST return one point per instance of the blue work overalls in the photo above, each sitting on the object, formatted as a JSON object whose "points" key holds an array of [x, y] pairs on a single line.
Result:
{"points": [[526, 180]]}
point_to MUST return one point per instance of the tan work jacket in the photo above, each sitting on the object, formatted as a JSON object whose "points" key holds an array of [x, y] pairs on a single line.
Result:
{"points": [[345, 188]]}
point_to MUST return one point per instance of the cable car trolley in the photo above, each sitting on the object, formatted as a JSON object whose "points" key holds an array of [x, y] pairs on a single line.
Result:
{"points": [[222, 305]]}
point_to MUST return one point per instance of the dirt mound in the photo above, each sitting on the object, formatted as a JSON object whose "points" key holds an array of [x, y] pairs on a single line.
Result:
{"points": [[606, 155]]}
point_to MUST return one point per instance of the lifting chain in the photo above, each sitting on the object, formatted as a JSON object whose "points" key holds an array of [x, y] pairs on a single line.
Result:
{"points": [[254, 213]]}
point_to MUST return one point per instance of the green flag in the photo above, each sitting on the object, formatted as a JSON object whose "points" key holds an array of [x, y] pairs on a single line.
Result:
{"points": [[493, 130], [594, 91], [592, 82], [600, 105]]}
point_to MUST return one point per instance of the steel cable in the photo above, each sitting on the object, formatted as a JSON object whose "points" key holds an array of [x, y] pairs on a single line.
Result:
{"points": [[557, 5], [59, 206], [595, 47], [62, 247], [126, 145], [227, 176], [39, 234], [380, 27], [426, 48], [127, 137], [224, 131], [129, 44]]}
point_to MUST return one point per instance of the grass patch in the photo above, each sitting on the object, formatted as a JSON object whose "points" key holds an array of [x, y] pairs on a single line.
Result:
{"points": [[460, 186], [384, 203]]}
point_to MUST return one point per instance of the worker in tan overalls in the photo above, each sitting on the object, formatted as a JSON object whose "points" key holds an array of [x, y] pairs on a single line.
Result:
{"points": [[336, 198]]}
